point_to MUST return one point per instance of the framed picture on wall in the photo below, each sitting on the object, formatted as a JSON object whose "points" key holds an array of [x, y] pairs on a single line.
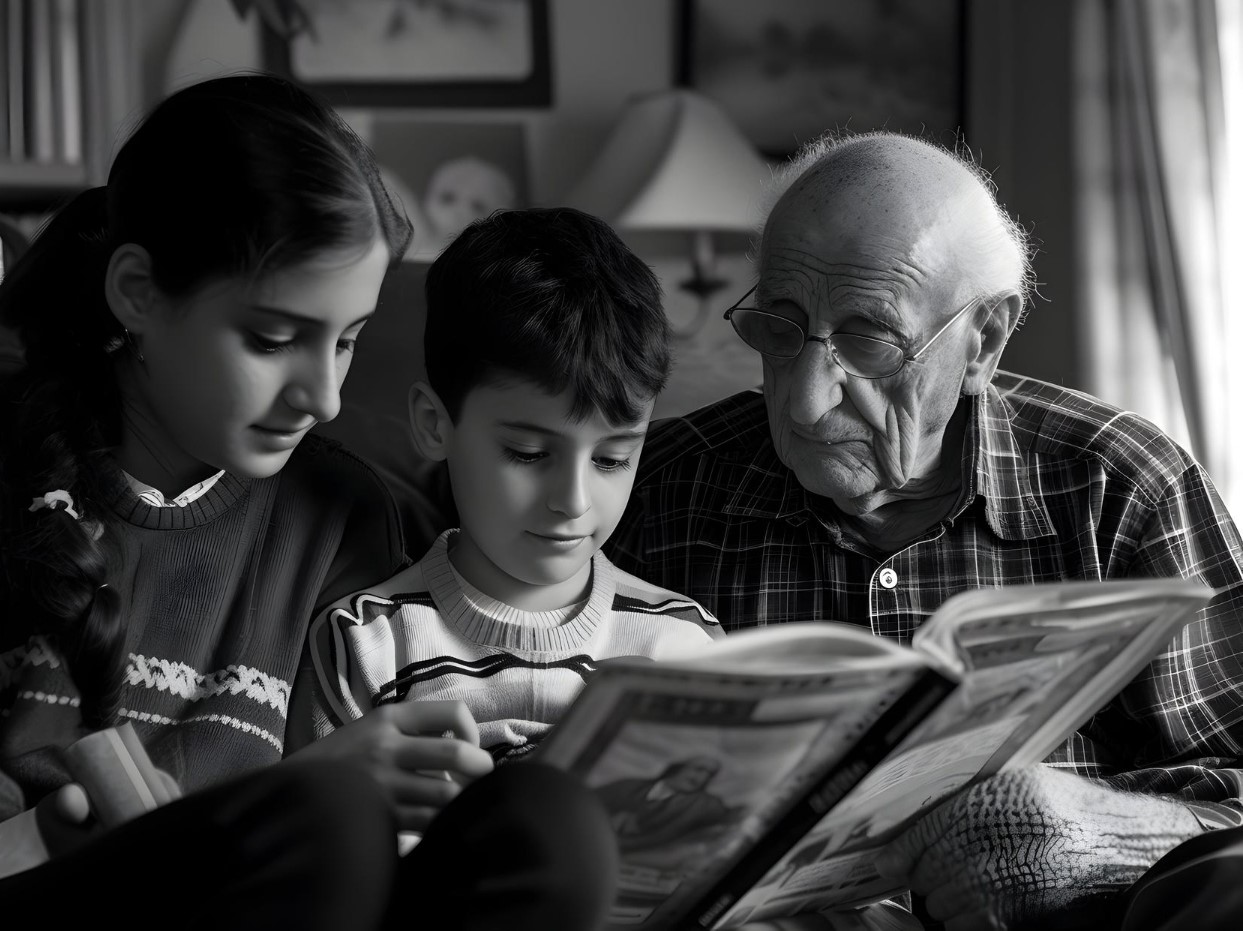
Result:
{"points": [[788, 70], [419, 53], [449, 173]]}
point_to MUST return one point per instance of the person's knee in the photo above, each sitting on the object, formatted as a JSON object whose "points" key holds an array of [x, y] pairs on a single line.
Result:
{"points": [[541, 844], [338, 806], [299, 820]]}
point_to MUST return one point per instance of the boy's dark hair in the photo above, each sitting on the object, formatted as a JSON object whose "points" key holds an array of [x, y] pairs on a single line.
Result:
{"points": [[553, 296]]}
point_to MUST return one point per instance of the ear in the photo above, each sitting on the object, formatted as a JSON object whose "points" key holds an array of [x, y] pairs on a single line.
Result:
{"points": [[430, 423], [129, 288], [995, 328]]}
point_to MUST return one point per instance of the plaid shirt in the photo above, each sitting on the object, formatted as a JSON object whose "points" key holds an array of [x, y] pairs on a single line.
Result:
{"points": [[1064, 487]]}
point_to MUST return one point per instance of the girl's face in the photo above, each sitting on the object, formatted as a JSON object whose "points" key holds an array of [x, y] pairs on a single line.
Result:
{"points": [[234, 376]]}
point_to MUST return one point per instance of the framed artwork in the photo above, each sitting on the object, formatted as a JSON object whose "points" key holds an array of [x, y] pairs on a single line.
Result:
{"points": [[788, 70], [449, 173], [419, 53]]}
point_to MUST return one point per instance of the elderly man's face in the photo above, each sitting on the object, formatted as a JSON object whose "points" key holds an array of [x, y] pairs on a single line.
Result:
{"points": [[873, 265]]}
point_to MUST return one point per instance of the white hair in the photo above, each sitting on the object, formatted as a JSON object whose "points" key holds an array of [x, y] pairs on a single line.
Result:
{"points": [[823, 151]]}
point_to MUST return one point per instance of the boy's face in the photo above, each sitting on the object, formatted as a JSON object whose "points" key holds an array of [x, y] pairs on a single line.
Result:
{"points": [[537, 493]]}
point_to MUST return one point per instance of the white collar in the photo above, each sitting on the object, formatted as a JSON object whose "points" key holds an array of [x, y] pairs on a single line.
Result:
{"points": [[154, 497]]}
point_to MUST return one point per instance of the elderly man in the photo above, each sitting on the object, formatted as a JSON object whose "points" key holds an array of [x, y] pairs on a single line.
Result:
{"points": [[889, 464]]}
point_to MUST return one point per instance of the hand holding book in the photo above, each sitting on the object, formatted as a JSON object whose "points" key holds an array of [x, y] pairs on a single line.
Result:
{"points": [[115, 781], [828, 742]]}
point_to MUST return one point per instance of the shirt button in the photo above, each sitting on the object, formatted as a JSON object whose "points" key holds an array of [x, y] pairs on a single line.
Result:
{"points": [[888, 578]]}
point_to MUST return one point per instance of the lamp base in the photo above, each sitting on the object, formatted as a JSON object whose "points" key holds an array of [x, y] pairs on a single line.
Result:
{"points": [[702, 283], [702, 286]]}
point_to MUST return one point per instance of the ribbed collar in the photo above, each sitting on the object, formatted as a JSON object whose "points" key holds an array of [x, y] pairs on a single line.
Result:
{"points": [[217, 500], [493, 623]]}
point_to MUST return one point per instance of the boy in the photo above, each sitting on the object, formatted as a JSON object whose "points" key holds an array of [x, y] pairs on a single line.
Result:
{"points": [[546, 345]]}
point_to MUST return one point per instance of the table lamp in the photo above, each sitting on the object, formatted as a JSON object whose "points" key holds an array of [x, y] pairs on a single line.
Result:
{"points": [[675, 162]]}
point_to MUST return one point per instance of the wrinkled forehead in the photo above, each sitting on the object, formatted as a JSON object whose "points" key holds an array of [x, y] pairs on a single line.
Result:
{"points": [[893, 233]]}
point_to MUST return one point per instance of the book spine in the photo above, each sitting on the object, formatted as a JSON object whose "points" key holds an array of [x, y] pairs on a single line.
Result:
{"points": [[116, 773], [67, 81], [5, 154], [41, 127], [15, 32], [928, 691]]}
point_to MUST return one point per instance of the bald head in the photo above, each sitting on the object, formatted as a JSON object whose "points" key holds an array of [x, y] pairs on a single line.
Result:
{"points": [[894, 186], [884, 241]]}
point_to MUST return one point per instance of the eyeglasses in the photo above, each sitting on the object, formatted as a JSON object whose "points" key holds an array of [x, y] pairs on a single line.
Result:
{"points": [[861, 356]]}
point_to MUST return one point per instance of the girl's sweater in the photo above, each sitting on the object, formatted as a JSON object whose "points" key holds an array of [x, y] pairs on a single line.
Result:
{"points": [[216, 597]]}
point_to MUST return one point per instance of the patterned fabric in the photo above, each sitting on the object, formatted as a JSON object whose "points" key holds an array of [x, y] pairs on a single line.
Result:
{"points": [[154, 497], [1058, 486], [1053, 860], [426, 634], [217, 597]]}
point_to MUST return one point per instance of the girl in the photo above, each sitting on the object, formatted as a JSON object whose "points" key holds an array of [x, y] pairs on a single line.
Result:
{"points": [[167, 529]]}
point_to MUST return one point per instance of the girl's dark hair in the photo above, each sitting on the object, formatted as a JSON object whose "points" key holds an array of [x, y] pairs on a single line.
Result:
{"points": [[236, 176], [551, 295]]}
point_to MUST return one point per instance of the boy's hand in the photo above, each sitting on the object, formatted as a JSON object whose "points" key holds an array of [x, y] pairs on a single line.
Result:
{"points": [[403, 747]]}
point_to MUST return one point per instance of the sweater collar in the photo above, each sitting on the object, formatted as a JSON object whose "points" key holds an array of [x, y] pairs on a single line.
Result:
{"points": [[501, 625], [129, 506]]}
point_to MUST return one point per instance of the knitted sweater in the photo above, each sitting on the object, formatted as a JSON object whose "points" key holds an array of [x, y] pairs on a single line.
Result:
{"points": [[217, 597], [427, 634]]}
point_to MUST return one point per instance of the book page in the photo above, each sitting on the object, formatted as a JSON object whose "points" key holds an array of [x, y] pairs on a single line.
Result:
{"points": [[697, 766], [1038, 661]]}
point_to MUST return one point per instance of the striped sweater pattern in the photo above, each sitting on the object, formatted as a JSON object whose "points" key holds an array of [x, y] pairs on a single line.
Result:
{"points": [[427, 634]]}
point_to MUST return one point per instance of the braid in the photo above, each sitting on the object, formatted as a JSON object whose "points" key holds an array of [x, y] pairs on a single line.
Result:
{"points": [[57, 418]]}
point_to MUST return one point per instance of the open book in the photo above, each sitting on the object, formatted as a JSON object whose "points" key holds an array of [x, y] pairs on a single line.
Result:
{"points": [[757, 778]]}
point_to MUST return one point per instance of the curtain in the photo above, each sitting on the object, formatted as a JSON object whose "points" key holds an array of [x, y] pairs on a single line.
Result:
{"points": [[1156, 126]]}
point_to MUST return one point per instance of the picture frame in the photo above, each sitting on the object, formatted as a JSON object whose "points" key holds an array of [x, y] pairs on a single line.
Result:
{"points": [[400, 53], [786, 71], [448, 172]]}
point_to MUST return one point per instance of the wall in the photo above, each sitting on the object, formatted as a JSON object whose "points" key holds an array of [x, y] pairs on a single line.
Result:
{"points": [[603, 51], [1018, 123]]}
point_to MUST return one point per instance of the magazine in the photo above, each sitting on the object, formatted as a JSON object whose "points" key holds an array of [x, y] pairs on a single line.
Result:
{"points": [[756, 778]]}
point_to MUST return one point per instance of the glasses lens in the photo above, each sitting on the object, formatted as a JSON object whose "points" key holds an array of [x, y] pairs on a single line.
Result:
{"points": [[767, 333], [867, 357]]}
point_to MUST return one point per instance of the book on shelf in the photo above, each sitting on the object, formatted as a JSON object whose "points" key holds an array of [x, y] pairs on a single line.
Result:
{"points": [[40, 98], [67, 80], [15, 69], [758, 777]]}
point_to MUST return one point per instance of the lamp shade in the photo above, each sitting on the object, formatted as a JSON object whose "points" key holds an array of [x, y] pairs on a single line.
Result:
{"points": [[674, 161]]}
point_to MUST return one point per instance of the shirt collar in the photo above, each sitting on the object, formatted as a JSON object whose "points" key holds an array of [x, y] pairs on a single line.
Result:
{"points": [[1013, 506], [154, 497]]}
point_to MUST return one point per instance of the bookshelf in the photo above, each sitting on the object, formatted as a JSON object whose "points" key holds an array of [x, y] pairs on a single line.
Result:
{"points": [[68, 82]]}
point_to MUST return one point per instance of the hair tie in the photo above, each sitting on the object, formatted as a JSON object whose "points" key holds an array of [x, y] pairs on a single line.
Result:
{"points": [[58, 500]]}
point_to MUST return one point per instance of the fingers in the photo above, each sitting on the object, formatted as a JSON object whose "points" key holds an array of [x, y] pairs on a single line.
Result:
{"points": [[434, 717], [402, 746], [445, 754], [71, 804], [169, 788], [419, 797]]}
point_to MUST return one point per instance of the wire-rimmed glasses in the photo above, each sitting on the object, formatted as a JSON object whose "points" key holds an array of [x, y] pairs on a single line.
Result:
{"points": [[861, 356]]}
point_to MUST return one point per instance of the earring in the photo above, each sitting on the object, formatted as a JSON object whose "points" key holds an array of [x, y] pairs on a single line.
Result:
{"points": [[133, 346]]}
